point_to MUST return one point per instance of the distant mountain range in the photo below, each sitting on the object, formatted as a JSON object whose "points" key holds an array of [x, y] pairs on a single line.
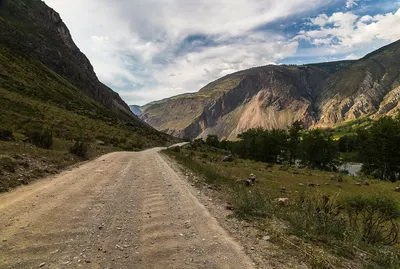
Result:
{"points": [[321, 95], [137, 110]]}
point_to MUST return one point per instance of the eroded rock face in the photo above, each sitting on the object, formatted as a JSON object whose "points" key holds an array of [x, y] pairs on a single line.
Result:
{"points": [[320, 95], [269, 97]]}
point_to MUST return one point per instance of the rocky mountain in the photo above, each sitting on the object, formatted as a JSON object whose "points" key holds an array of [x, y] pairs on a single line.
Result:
{"points": [[274, 96], [137, 110], [45, 80], [32, 29], [369, 87]]}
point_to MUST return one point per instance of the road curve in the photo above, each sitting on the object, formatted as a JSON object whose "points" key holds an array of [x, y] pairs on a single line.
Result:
{"points": [[122, 210]]}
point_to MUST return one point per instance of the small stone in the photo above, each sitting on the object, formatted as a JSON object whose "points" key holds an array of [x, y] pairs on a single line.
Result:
{"points": [[229, 206], [42, 264], [266, 238]]}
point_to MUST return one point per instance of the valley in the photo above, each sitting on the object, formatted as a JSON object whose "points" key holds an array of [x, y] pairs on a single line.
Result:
{"points": [[271, 164]]}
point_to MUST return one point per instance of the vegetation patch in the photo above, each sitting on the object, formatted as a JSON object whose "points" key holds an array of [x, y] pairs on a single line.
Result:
{"points": [[332, 220]]}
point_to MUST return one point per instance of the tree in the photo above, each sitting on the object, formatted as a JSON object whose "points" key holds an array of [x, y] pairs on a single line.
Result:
{"points": [[212, 140], [348, 143], [294, 140], [379, 149], [318, 150]]}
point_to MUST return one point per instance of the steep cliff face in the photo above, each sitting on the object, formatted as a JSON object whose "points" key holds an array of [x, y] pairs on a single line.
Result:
{"points": [[369, 87], [30, 29], [274, 96]]}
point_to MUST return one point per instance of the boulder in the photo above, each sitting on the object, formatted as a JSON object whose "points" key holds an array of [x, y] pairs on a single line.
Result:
{"points": [[253, 178], [228, 158]]}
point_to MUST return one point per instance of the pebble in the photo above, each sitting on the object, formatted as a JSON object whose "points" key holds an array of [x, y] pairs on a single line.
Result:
{"points": [[42, 264], [267, 238]]}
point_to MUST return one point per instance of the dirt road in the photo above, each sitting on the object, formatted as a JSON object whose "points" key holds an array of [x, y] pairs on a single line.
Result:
{"points": [[123, 210]]}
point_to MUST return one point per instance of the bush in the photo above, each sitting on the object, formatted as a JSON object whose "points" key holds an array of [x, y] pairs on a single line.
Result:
{"points": [[7, 163], [375, 218], [249, 203], [317, 217], [80, 149], [41, 139], [6, 134]]}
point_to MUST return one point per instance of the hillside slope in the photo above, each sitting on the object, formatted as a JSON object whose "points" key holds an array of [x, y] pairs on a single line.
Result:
{"points": [[271, 96], [30, 29], [370, 87], [46, 82]]}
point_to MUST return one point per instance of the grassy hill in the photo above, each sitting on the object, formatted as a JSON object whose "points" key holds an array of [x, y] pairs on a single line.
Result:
{"points": [[47, 86]]}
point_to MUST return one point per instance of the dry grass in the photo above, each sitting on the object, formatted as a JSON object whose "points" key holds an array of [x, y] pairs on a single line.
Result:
{"points": [[336, 246]]}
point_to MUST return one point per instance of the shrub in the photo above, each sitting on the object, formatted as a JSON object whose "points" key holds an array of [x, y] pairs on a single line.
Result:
{"points": [[80, 149], [7, 163], [375, 218], [250, 203], [6, 134], [317, 217], [176, 149], [41, 139]]}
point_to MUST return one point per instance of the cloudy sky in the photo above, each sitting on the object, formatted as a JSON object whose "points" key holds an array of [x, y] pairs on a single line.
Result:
{"points": [[147, 50]]}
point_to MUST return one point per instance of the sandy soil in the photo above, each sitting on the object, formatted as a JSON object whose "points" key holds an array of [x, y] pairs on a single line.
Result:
{"points": [[122, 210]]}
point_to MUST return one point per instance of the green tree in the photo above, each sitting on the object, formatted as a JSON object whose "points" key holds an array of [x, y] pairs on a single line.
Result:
{"points": [[262, 145], [212, 140], [379, 149], [318, 150], [294, 140], [348, 143]]}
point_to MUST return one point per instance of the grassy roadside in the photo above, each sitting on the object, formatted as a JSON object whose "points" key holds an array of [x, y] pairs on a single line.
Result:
{"points": [[22, 163], [309, 225]]}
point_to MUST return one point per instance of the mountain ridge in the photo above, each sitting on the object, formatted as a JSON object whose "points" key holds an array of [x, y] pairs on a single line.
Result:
{"points": [[273, 96]]}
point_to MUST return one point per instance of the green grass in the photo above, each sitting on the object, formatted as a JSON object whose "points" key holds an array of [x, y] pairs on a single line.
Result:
{"points": [[333, 243], [351, 127]]}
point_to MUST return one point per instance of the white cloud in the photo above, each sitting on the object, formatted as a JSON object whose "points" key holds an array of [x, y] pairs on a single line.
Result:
{"points": [[135, 46], [343, 31], [351, 3]]}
